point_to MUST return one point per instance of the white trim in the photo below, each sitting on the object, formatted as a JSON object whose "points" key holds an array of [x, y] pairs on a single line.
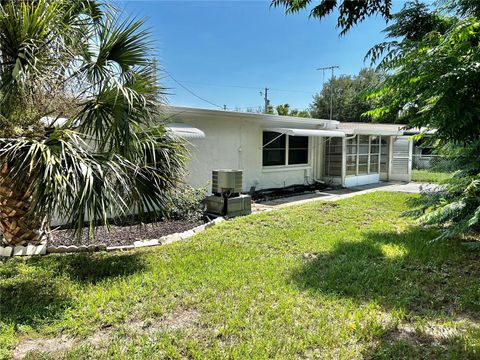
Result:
{"points": [[306, 132], [278, 168], [287, 150]]}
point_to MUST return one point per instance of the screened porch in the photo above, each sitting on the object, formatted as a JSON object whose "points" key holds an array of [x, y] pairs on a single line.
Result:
{"points": [[356, 160]]}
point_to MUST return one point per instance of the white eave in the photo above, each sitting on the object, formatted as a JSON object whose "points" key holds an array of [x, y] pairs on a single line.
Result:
{"points": [[176, 113], [307, 132]]}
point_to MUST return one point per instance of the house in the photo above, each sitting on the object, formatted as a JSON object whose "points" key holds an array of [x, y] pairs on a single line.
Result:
{"points": [[423, 157], [277, 151]]}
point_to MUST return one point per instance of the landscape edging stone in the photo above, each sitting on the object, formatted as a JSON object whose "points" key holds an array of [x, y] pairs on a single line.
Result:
{"points": [[44, 249]]}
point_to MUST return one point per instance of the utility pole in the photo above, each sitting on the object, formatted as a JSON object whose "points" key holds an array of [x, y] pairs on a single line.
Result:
{"points": [[333, 67], [265, 98]]}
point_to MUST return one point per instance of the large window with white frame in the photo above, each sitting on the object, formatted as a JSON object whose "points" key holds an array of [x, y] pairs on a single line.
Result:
{"points": [[281, 149], [363, 155]]}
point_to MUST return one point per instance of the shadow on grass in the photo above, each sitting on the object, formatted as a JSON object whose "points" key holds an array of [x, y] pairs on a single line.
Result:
{"points": [[36, 291], [403, 271], [395, 344], [91, 268], [398, 270], [31, 300]]}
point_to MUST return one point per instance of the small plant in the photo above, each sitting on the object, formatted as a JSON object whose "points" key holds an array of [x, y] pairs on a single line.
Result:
{"points": [[186, 203]]}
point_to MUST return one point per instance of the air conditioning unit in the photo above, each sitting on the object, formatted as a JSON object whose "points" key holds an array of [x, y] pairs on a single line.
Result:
{"points": [[226, 181], [226, 199]]}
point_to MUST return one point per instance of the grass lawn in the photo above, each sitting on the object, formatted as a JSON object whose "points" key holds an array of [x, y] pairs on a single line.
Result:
{"points": [[345, 280], [425, 175]]}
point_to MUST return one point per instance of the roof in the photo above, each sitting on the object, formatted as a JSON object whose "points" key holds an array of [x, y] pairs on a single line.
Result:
{"points": [[181, 113], [178, 113]]}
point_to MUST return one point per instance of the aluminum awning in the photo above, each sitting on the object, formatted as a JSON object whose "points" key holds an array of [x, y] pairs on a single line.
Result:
{"points": [[186, 131], [307, 132]]}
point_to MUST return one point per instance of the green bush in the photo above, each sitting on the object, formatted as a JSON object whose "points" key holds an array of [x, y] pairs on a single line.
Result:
{"points": [[186, 203]]}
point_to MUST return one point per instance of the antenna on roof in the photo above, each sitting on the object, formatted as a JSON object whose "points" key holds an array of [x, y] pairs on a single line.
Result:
{"points": [[333, 67]]}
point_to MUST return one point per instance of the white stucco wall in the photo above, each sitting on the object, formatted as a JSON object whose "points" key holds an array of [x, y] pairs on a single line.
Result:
{"points": [[237, 144]]}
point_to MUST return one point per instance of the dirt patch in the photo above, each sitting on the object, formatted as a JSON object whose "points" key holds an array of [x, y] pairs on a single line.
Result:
{"points": [[181, 319], [122, 235], [48, 346]]}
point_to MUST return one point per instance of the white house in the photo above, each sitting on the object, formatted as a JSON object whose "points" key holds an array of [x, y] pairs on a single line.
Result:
{"points": [[277, 151]]}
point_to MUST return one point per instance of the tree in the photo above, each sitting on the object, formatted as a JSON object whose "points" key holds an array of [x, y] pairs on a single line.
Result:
{"points": [[284, 110], [434, 76], [350, 12], [349, 97], [80, 133]]}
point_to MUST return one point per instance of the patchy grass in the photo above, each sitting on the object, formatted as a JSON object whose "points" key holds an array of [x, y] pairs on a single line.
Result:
{"points": [[429, 176], [345, 280]]}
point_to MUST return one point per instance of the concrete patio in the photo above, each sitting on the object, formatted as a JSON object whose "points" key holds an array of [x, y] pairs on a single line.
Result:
{"points": [[337, 194]]}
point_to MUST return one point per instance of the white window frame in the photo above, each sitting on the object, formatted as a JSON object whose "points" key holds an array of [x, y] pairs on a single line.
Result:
{"points": [[287, 146], [357, 155]]}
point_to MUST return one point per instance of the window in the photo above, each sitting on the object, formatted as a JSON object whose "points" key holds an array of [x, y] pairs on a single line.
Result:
{"points": [[297, 150], [383, 155], [425, 147], [279, 149], [363, 148], [352, 156], [333, 157], [274, 146], [374, 154], [363, 155]]}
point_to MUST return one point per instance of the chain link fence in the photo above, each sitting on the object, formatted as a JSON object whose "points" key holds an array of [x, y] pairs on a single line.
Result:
{"points": [[430, 162]]}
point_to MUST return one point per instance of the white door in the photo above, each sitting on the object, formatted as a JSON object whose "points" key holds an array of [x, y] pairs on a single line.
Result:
{"points": [[401, 160]]}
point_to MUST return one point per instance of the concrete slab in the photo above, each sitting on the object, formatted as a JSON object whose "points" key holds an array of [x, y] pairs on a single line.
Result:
{"points": [[337, 194]]}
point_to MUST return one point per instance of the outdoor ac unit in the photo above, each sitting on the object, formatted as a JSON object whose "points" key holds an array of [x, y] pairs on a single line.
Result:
{"points": [[226, 199], [226, 181]]}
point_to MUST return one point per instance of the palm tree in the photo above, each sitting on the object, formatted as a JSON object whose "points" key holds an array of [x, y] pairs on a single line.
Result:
{"points": [[80, 130]]}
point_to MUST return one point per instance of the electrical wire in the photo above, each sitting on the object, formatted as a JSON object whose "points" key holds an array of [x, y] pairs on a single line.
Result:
{"points": [[190, 91], [244, 87]]}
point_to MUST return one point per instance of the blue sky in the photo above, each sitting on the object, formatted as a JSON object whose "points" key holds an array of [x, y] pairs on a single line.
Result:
{"points": [[247, 43]]}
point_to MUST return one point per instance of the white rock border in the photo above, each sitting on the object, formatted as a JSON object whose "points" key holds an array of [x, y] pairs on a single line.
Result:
{"points": [[44, 249]]}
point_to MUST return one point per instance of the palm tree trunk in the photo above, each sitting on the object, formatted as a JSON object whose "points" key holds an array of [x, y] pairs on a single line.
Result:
{"points": [[17, 223]]}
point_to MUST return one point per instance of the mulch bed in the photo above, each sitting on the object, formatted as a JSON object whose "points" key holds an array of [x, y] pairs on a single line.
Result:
{"points": [[122, 235]]}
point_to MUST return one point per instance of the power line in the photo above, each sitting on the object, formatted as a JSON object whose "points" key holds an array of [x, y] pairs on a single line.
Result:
{"points": [[245, 87], [191, 92]]}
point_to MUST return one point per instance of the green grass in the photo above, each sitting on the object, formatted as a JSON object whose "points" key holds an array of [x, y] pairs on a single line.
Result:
{"points": [[347, 280], [430, 176]]}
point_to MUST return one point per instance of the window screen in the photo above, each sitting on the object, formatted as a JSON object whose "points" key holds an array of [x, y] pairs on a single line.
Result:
{"points": [[274, 149], [333, 157], [297, 150]]}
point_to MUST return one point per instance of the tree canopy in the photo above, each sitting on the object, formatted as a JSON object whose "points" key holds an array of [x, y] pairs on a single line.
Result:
{"points": [[284, 109], [81, 134], [434, 72], [350, 100], [350, 12]]}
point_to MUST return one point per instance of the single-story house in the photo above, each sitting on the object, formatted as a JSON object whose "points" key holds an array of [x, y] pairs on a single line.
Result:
{"points": [[423, 157], [277, 151]]}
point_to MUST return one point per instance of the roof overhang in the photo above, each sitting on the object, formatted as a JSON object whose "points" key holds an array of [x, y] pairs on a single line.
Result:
{"points": [[186, 131], [180, 114], [372, 132], [307, 132]]}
